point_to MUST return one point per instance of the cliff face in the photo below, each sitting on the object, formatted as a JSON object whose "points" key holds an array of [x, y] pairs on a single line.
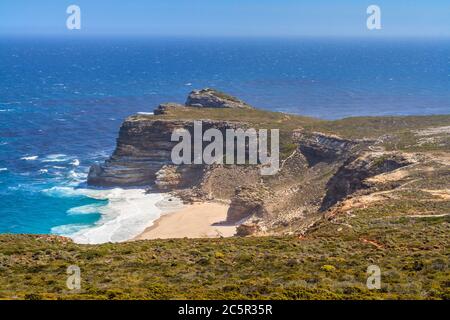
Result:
{"points": [[319, 147], [296, 193], [143, 147], [248, 201], [143, 155], [352, 175]]}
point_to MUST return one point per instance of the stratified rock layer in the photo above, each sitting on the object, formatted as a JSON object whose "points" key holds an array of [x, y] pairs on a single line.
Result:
{"points": [[143, 155]]}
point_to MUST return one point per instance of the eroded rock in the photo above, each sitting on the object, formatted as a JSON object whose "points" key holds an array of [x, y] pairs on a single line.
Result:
{"points": [[248, 201], [352, 175]]}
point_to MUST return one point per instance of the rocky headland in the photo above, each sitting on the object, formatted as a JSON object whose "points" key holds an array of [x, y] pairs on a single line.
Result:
{"points": [[323, 163]]}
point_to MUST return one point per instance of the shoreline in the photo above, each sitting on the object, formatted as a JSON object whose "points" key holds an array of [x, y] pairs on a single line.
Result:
{"points": [[198, 220]]}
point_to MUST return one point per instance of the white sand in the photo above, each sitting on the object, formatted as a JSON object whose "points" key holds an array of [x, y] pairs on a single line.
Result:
{"points": [[200, 220]]}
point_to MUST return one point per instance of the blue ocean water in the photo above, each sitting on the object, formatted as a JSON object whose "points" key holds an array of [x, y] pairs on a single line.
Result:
{"points": [[62, 101]]}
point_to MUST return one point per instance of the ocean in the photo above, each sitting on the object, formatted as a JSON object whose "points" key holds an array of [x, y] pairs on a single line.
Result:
{"points": [[62, 101]]}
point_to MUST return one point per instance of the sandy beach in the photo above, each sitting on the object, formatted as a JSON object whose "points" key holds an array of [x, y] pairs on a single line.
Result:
{"points": [[199, 220]]}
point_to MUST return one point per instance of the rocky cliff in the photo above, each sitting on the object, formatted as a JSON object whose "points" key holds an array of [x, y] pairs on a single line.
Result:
{"points": [[143, 155], [317, 172]]}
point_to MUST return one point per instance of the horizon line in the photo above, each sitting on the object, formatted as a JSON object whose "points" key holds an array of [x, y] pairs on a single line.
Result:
{"points": [[222, 36]]}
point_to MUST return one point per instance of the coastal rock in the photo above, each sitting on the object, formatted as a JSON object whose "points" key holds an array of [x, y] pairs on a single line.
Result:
{"points": [[248, 229], [143, 148], [165, 107], [248, 201], [167, 177], [210, 98]]}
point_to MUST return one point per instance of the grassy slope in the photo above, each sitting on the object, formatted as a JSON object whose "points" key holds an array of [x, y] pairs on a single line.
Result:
{"points": [[328, 263]]}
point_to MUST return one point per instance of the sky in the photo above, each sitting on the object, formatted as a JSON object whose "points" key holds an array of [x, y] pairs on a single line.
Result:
{"points": [[423, 18]]}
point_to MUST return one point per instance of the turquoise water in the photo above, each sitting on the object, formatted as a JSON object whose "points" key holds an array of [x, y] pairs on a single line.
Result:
{"points": [[62, 102]]}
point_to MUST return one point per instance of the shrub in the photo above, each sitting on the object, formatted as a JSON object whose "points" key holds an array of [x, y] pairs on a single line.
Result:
{"points": [[328, 268]]}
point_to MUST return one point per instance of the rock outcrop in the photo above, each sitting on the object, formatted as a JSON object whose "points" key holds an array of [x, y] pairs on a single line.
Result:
{"points": [[248, 228], [143, 155], [352, 175], [143, 148], [210, 98], [248, 201], [320, 147]]}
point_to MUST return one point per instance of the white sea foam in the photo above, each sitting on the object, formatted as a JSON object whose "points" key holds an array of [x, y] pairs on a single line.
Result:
{"points": [[76, 178], [75, 162], [146, 113], [127, 214], [56, 158], [69, 228], [43, 171], [3, 169], [87, 209], [29, 158], [74, 175]]}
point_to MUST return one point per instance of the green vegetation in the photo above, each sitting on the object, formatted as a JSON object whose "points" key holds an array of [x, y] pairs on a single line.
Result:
{"points": [[395, 133], [330, 262], [255, 117], [373, 127]]}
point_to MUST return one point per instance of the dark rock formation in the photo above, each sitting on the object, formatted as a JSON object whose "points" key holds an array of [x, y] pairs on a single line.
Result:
{"points": [[143, 153], [210, 98]]}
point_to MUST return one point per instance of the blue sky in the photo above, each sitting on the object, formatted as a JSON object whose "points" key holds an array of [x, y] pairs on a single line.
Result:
{"points": [[227, 17]]}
